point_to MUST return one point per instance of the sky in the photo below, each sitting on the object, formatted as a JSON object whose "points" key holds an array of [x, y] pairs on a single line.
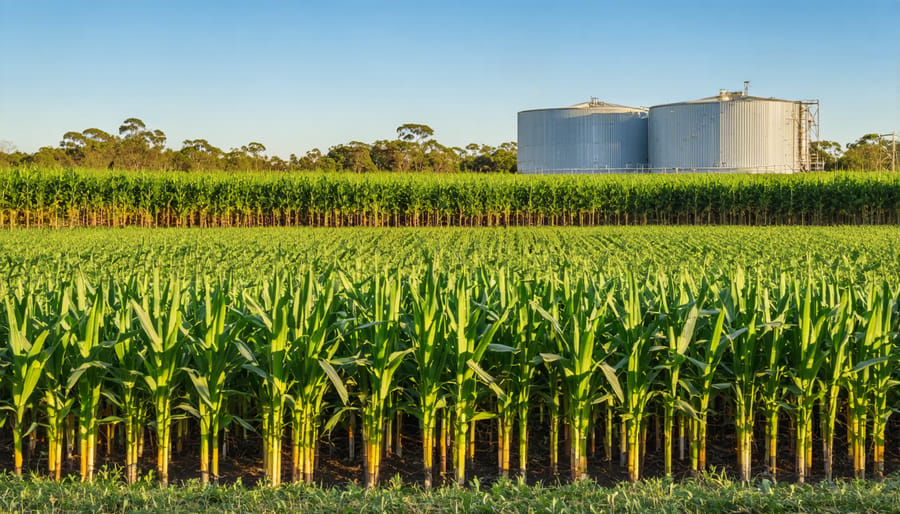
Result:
{"points": [[302, 75]]}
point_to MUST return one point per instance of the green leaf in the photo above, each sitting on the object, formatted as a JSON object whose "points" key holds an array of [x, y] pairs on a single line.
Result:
{"points": [[613, 381], [547, 358], [335, 380], [487, 379], [871, 362]]}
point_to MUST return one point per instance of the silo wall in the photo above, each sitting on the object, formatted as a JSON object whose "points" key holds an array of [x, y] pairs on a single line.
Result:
{"points": [[581, 140], [744, 134]]}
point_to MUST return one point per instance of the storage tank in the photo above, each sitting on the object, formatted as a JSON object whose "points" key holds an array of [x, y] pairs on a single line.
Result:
{"points": [[730, 132], [591, 137]]}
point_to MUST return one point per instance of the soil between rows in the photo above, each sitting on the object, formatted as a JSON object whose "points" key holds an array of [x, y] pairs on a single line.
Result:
{"points": [[242, 460]]}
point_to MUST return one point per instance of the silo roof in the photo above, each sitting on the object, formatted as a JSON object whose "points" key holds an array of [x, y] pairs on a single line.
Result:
{"points": [[728, 96], [596, 106]]}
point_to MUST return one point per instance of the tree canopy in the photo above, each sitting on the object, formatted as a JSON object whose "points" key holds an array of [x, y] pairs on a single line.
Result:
{"points": [[870, 152], [137, 147]]}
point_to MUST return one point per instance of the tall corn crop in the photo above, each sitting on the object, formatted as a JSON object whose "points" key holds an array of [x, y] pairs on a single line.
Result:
{"points": [[299, 348], [50, 198]]}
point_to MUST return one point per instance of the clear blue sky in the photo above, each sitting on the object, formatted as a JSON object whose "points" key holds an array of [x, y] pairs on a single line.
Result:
{"points": [[301, 75]]}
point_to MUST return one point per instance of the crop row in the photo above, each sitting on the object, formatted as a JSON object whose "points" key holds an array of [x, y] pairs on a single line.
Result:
{"points": [[849, 253], [89, 198], [301, 353]]}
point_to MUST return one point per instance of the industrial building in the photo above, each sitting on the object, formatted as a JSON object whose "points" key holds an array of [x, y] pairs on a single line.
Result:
{"points": [[729, 132], [591, 137]]}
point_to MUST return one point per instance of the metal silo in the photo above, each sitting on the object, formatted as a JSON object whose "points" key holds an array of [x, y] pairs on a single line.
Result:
{"points": [[591, 137], [731, 132]]}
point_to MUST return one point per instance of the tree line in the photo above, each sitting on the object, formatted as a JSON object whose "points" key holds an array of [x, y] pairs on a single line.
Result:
{"points": [[870, 152], [137, 147]]}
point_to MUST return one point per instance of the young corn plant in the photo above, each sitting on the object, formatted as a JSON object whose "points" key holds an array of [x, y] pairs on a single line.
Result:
{"points": [[553, 404], [634, 332], [512, 364], [26, 356], [270, 361], [58, 398], [472, 327], [431, 353], [380, 354], [745, 364], [583, 316], [741, 308], [159, 315], [216, 358], [528, 341], [773, 342], [807, 355], [311, 365], [91, 357], [127, 376], [880, 364], [858, 383], [706, 356], [680, 322], [835, 370]]}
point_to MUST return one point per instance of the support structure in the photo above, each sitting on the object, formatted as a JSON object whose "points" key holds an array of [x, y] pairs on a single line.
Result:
{"points": [[809, 134]]}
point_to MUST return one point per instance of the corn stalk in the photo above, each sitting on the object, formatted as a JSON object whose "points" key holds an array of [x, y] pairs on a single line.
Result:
{"points": [[27, 359], [472, 327], [807, 355], [312, 353], [159, 315], [431, 353]]}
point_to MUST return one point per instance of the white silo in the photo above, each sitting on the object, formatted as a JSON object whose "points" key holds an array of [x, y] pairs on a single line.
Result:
{"points": [[730, 132], [591, 137]]}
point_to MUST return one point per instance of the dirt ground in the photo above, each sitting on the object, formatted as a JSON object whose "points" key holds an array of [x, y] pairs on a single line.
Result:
{"points": [[242, 459]]}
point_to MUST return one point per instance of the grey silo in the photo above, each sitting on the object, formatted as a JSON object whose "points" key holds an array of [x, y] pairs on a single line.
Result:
{"points": [[591, 137], [730, 132]]}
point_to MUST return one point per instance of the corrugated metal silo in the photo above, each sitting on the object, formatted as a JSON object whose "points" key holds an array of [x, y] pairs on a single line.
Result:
{"points": [[730, 132], [592, 137]]}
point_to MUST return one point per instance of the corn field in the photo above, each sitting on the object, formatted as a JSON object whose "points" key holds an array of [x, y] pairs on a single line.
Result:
{"points": [[145, 344], [79, 198]]}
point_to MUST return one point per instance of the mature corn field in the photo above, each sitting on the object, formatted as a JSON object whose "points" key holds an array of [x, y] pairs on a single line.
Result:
{"points": [[578, 345], [70, 198]]}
